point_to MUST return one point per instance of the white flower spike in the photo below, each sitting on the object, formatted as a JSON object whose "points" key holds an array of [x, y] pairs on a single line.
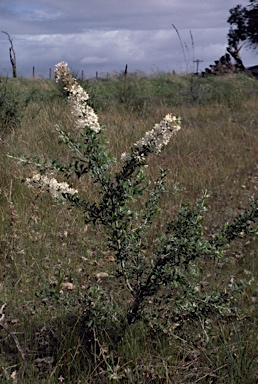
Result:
{"points": [[86, 117]]}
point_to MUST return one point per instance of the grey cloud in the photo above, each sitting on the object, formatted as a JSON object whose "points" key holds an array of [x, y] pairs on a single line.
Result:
{"points": [[69, 16]]}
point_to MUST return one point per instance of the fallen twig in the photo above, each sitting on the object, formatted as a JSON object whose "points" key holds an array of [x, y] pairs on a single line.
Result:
{"points": [[2, 314]]}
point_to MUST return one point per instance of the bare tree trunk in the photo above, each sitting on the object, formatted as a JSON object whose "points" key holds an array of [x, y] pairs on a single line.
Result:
{"points": [[12, 55], [234, 52]]}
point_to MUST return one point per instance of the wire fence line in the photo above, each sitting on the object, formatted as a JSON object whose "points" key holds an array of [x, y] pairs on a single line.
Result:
{"points": [[80, 75], [49, 74]]}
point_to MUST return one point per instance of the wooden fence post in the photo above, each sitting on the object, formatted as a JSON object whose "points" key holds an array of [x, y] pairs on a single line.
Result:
{"points": [[125, 80]]}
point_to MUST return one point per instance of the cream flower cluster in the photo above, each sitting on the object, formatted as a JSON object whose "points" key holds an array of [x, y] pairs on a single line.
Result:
{"points": [[51, 185], [155, 139], [85, 115]]}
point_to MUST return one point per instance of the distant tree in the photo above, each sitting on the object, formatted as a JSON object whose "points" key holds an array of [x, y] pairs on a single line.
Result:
{"points": [[243, 30], [244, 25]]}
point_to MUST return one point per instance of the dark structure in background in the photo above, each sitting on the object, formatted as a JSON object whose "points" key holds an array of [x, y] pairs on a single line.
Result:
{"points": [[225, 66], [254, 70]]}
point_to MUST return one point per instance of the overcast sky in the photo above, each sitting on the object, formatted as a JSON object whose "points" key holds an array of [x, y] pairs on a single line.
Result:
{"points": [[105, 35]]}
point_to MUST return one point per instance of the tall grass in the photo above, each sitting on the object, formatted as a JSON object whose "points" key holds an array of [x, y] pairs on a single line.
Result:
{"points": [[43, 247]]}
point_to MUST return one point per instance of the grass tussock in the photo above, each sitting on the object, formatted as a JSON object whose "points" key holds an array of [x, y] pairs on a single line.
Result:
{"points": [[49, 257]]}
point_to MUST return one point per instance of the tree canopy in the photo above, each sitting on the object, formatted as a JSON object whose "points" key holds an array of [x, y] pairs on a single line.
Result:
{"points": [[243, 25]]}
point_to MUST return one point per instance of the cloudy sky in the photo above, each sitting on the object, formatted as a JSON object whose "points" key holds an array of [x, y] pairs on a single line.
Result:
{"points": [[105, 35]]}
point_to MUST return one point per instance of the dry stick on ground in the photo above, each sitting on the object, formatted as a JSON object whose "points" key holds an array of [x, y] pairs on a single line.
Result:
{"points": [[2, 316]]}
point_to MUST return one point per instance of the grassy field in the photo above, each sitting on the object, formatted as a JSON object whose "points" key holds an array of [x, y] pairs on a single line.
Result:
{"points": [[50, 258]]}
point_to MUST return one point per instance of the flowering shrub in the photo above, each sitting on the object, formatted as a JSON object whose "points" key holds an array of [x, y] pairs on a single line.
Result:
{"points": [[161, 280]]}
